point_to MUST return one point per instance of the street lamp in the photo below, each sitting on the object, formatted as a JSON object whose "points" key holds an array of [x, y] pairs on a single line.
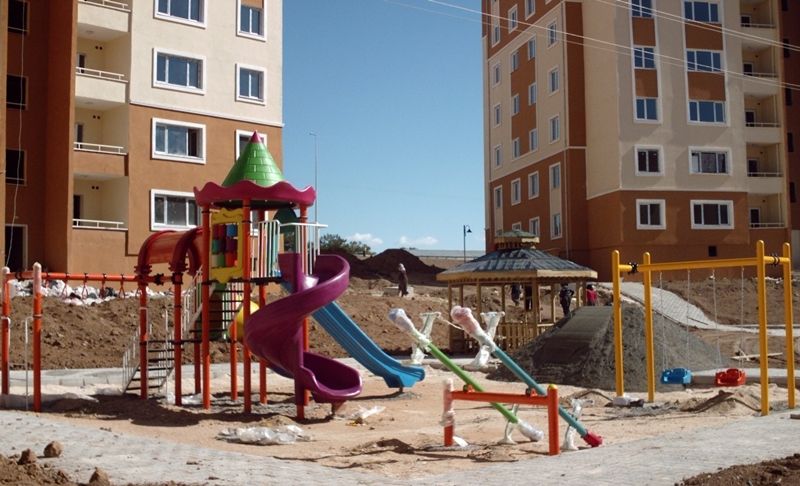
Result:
{"points": [[466, 229], [316, 188]]}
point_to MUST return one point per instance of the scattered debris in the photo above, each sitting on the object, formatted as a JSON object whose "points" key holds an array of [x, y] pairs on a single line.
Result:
{"points": [[285, 434], [53, 449]]}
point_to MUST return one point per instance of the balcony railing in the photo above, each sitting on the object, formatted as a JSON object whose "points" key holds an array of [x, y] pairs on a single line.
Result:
{"points": [[98, 224], [100, 148], [761, 124], [109, 4], [764, 174], [757, 25], [760, 75], [766, 225], [96, 73]]}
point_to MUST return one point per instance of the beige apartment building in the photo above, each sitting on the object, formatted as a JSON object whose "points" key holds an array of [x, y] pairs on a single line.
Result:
{"points": [[114, 110], [642, 125]]}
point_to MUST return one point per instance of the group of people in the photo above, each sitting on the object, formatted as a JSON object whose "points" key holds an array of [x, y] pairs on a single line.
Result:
{"points": [[564, 296]]}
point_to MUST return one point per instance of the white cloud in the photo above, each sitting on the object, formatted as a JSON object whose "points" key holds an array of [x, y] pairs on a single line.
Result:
{"points": [[422, 241], [366, 238]]}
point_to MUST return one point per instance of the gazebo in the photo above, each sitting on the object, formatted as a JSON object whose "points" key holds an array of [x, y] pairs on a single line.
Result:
{"points": [[515, 261]]}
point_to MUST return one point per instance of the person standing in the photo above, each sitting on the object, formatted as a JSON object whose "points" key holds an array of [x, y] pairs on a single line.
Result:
{"points": [[591, 295], [565, 298], [402, 284]]}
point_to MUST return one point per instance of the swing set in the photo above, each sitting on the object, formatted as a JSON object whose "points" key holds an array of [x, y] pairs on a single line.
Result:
{"points": [[760, 261]]}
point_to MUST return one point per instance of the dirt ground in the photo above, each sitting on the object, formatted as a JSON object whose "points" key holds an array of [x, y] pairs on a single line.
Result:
{"points": [[407, 429]]}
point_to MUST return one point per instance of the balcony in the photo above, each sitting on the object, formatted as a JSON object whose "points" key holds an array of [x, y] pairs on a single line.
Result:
{"points": [[766, 211], [759, 67], [758, 22], [762, 120], [100, 202], [764, 161], [98, 224], [103, 20], [96, 159], [99, 90]]}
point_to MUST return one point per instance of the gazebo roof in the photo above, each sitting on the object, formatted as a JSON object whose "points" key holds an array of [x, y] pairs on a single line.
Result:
{"points": [[517, 265]]}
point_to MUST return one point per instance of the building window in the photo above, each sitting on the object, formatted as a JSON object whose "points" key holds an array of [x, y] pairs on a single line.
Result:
{"points": [[251, 20], [495, 32], [530, 8], [515, 104], [533, 185], [552, 34], [531, 94], [707, 61], [789, 141], [514, 60], [533, 140], [250, 82], [515, 149], [701, 11], [15, 166], [646, 109], [498, 197], [552, 77], [497, 115], [496, 71], [178, 71], [175, 140], [642, 8], [650, 214], [707, 111], [787, 96], [18, 16], [711, 214], [555, 176], [792, 193], [644, 58], [555, 129], [191, 10], [648, 161], [498, 155], [555, 230], [516, 226], [709, 162], [16, 91], [533, 226], [516, 192], [531, 48], [243, 138], [512, 19], [169, 209]]}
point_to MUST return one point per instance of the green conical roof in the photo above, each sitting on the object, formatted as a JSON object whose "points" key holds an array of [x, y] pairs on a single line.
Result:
{"points": [[255, 164]]}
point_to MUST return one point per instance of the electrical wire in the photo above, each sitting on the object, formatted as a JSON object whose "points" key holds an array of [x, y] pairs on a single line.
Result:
{"points": [[10, 243]]}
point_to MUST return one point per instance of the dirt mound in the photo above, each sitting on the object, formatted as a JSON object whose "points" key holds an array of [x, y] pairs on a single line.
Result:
{"points": [[558, 356], [358, 267], [385, 264], [778, 471]]}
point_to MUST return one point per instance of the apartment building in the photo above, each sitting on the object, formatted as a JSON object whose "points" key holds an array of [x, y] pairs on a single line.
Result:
{"points": [[116, 109], [642, 125]]}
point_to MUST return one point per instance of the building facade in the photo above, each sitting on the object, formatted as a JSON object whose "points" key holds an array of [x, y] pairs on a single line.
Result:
{"points": [[116, 109], [649, 125]]}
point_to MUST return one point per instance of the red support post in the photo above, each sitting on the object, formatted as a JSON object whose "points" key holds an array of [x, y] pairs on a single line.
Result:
{"points": [[177, 311], [206, 296], [144, 337], [5, 320], [552, 419], [247, 267], [37, 337], [262, 363], [303, 250]]}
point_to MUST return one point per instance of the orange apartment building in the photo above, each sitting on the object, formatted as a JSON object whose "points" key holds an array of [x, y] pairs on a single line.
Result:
{"points": [[114, 110], [642, 125]]}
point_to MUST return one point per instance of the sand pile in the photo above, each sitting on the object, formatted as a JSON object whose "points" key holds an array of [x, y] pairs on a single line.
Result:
{"points": [[385, 264], [580, 351]]}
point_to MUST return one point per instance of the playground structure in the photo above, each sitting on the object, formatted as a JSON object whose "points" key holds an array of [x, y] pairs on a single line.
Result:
{"points": [[760, 261], [254, 233]]}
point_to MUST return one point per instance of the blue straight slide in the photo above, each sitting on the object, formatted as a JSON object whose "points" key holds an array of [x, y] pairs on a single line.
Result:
{"points": [[347, 333]]}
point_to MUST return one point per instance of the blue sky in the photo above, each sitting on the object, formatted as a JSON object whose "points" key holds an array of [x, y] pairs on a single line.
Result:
{"points": [[392, 88]]}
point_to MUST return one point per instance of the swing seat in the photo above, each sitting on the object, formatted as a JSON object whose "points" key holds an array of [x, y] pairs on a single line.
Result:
{"points": [[730, 377], [676, 376]]}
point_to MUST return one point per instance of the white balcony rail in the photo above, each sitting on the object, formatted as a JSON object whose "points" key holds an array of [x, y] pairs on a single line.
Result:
{"points": [[760, 173], [758, 25], [97, 73], [98, 147], [98, 224], [767, 225], [762, 124], [760, 75], [109, 4]]}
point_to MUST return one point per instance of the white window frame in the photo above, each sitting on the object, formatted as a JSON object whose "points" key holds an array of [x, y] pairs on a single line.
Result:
{"points": [[498, 197], [515, 60], [263, 100], [164, 192], [728, 204], [662, 214], [553, 80], [640, 10], [555, 130], [533, 140], [516, 150], [556, 226], [496, 73], [555, 176], [177, 87], [498, 114], [513, 19], [250, 35], [248, 133], [533, 95], [178, 158], [710, 150], [24, 165], [644, 100], [703, 122], [171, 18], [530, 8], [552, 34], [516, 192], [515, 104], [693, 3], [642, 53], [532, 47], [534, 226], [692, 66], [648, 148], [498, 155], [496, 36], [533, 185]]}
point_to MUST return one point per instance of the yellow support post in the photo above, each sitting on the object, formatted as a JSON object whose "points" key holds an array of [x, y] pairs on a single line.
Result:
{"points": [[788, 318], [648, 329], [762, 326], [618, 364]]}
